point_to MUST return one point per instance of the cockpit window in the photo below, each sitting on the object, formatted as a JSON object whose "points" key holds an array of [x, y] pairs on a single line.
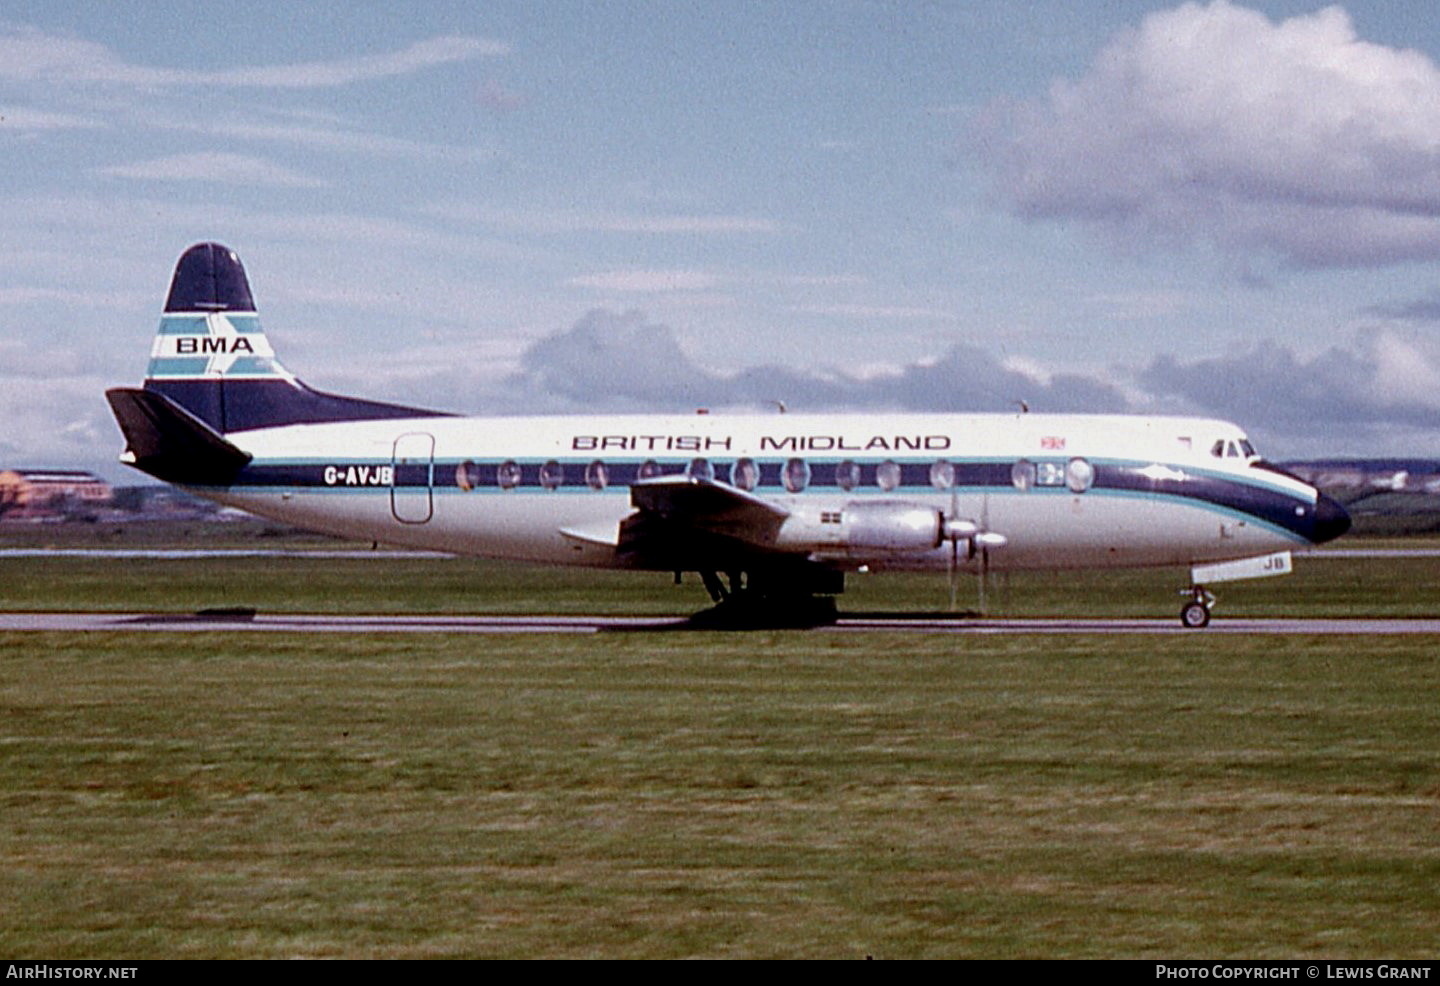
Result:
{"points": [[1232, 449]]}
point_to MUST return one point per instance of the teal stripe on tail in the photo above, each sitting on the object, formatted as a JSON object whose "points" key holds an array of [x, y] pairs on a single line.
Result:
{"points": [[212, 360]]}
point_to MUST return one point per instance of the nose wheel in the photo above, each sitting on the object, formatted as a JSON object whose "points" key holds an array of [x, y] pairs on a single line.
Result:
{"points": [[1195, 614]]}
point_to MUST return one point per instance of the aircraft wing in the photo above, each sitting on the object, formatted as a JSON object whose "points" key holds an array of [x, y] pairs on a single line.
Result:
{"points": [[683, 517]]}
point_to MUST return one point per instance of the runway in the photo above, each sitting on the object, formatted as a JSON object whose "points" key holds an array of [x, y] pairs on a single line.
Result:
{"points": [[391, 554], [244, 622]]}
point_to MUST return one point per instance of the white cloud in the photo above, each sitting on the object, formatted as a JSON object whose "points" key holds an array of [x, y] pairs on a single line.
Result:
{"points": [[1369, 396], [68, 297], [32, 56], [1404, 374], [55, 421], [21, 118], [20, 359], [329, 137], [1027, 367], [214, 166], [624, 362], [1212, 122], [577, 221], [873, 311], [1379, 395], [310, 75], [647, 281]]}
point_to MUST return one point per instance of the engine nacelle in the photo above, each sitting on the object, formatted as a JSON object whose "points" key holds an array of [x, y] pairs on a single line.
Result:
{"points": [[892, 527]]}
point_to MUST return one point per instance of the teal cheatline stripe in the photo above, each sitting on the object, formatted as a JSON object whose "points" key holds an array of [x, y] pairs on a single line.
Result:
{"points": [[244, 323], [183, 325], [180, 366]]}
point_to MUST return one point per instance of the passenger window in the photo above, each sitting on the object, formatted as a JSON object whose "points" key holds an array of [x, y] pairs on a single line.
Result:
{"points": [[1022, 474], [597, 475], [796, 475], [467, 475], [942, 475], [1218, 449], [887, 475], [700, 469], [744, 474], [847, 475], [552, 474], [649, 469], [508, 475], [1079, 475]]}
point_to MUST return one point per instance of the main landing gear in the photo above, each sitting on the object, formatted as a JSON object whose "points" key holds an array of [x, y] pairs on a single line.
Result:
{"points": [[766, 601], [1195, 614]]}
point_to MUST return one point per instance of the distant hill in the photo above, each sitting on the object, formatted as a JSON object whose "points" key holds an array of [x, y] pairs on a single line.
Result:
{"points": [[1384, 496]]}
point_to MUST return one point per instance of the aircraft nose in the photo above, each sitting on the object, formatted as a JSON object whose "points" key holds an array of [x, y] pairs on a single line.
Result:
{"points": [[1331, 520]]}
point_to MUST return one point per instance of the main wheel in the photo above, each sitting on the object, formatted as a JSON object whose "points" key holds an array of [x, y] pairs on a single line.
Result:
{"points": [[1194, 615]]}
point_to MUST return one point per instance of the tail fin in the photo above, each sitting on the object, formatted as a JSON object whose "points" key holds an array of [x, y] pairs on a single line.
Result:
{"points": [[211, 358]]}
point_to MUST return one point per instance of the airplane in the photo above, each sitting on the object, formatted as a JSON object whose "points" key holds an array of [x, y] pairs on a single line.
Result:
{"points": [[772, 510]]}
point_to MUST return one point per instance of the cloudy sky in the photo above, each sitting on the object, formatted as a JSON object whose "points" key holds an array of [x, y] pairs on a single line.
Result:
{"points": [[1230, 209]]}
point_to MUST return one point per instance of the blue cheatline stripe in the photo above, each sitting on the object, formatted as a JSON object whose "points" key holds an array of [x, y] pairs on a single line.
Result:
{"points": [[1225, 495], [973, 476], [1270, 523], [979, 476]]}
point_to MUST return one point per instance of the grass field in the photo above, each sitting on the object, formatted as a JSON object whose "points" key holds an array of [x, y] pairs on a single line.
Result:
{"points": [[768, 794], [1381, 587]]}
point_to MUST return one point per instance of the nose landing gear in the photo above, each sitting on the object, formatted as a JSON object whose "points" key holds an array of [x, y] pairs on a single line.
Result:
{"points": [[1195, 614]]}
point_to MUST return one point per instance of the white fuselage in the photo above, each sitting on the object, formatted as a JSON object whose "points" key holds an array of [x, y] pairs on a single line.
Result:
{"points": [[1065, 491]]}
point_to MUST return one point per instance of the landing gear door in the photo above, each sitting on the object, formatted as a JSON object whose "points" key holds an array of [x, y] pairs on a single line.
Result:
{"points": [[411, 492]]}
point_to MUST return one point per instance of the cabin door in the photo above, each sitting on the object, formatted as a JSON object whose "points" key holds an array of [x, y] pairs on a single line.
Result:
{"points": [[411, 492]]}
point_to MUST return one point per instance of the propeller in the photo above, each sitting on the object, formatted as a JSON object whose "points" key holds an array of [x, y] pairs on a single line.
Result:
{"points": [[983, 542], [955, 531], [952, 565], [977, 541], [984, 549]]}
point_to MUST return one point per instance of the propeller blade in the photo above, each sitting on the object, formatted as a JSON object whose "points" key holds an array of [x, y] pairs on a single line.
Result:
{"points": [[952, 572], [981, 543], [984, 577]]}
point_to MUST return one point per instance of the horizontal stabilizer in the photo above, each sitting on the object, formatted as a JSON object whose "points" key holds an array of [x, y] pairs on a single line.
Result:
{"points": [[171, 444]]}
